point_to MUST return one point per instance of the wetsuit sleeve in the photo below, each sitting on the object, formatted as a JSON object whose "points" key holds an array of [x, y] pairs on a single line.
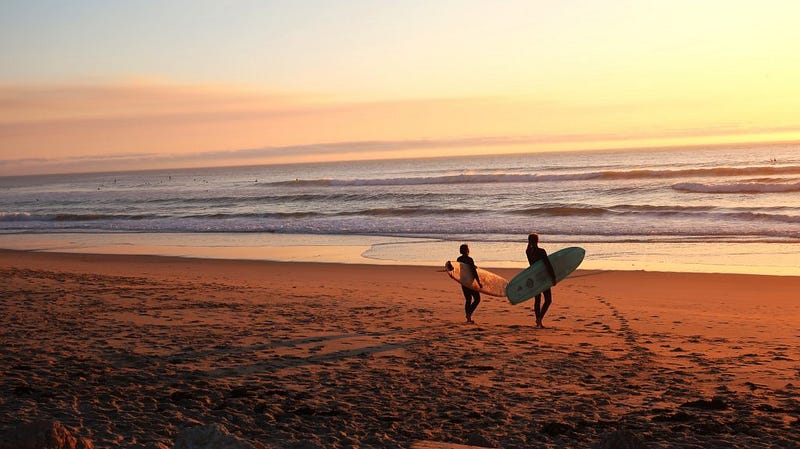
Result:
{"points": [[474, 270], [549, 267], [469, 261], [531, 255]]}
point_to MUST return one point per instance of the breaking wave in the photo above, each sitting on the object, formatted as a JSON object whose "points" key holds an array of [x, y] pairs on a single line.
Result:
{"points": [[738, 187], [494, 178]]}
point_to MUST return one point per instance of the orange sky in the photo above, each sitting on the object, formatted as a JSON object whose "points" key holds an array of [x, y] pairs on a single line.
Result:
{"points": [[359, 80]]}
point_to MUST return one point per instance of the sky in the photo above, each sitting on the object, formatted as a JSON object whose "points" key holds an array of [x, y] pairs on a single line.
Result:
{"points": [[96, 85]]}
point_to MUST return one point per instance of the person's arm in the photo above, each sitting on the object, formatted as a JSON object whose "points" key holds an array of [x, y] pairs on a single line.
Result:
{"points": [[529, 253], [475, 272], [549, 267]]}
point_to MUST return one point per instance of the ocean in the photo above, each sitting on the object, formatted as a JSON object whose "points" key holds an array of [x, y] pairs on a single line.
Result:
{"points": [[716, 209]]}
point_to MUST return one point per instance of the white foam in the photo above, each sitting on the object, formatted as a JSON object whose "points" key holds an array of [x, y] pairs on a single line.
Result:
{"points": [[739, 187]]}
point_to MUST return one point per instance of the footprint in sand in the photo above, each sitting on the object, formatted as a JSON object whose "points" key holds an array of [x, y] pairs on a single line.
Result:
{"points": [[639, 353]]}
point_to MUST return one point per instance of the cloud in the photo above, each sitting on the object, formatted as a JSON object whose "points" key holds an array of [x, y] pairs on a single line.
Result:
{"points": [[244, 156], [372, 148], [70, 102], [319, 151], [67, 128]]}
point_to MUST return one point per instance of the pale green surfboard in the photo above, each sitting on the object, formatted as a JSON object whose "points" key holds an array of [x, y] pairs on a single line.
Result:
{"points": [[535, 279]]}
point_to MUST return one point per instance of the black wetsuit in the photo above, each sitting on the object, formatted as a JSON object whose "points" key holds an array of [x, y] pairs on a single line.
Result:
{"points": [[535, 253], [472, 298]]}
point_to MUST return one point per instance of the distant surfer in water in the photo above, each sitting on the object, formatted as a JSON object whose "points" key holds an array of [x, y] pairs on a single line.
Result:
{"points": [[472, 297], [535, 253]]}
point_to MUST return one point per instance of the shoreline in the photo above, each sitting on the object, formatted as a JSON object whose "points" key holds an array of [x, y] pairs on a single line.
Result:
{"points": [[136, 351], [91, 258], [764, 258]]}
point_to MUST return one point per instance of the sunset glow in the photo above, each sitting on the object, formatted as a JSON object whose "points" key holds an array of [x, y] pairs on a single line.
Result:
{"points": [[105, 86]]}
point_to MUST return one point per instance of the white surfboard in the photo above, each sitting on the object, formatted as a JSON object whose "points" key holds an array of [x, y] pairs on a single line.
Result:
{"points": [[493, 284]]}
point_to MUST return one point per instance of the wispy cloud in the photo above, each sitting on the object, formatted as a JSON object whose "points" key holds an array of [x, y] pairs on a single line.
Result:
{"points": [[317, 151], [146, 125], [43, 103]]}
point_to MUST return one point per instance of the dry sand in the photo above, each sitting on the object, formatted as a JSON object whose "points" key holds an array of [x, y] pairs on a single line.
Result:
{"points": [[126, 351]]}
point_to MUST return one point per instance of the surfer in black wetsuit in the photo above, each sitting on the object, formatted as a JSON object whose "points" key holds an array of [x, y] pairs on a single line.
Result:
{"points": [[472, 297], [535, 253]]}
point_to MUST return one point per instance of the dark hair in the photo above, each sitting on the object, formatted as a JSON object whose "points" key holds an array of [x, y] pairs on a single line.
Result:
{"points": [[463, 249], [533, 238]]}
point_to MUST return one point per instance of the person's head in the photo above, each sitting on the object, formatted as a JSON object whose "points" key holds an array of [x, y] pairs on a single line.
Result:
{"points": [[464, 249], [533, 238]]}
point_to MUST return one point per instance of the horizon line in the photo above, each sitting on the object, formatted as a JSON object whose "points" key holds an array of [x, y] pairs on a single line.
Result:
{"points": [[610, 148]]}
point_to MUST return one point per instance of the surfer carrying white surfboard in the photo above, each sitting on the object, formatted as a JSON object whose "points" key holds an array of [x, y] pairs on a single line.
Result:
{"points": [[534, 253], [472, 297]]}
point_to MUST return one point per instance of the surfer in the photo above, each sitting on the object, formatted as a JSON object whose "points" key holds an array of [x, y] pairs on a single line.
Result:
{"points": [[535, 253], [472, 297]]}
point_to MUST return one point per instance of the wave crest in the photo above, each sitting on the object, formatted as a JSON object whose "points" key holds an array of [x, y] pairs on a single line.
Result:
{"points": [[738, 187], [494, 178]]}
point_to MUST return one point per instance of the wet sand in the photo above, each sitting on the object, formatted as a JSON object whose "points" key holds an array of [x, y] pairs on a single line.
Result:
{"points": [[131, 351]]}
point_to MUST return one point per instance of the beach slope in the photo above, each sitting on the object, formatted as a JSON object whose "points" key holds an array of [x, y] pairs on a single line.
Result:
{"points": [[130, 351]]}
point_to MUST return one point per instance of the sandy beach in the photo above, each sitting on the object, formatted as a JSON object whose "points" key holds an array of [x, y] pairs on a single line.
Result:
{"points": [[139, 351]]}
